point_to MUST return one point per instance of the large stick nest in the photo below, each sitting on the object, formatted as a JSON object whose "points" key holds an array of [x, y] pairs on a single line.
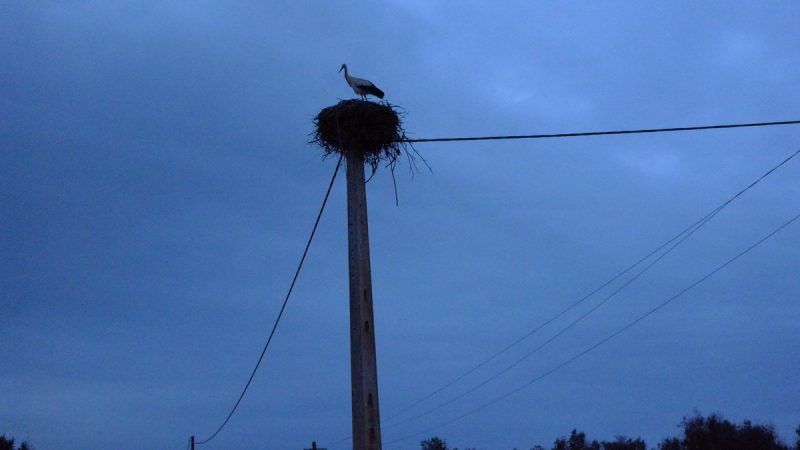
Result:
{"points": [[357, 127]]}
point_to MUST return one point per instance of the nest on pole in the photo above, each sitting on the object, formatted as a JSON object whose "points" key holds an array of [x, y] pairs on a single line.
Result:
{"points": [[363, 128]]}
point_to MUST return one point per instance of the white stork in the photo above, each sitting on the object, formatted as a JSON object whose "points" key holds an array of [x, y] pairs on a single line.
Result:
{"points": [[361, 86]]}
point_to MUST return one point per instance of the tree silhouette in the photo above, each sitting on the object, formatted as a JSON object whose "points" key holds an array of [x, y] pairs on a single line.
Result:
{"points": [[698, 433], [433, 443], [576, 441], [624, 443], [717, 433], [797, 444], [8, 444]]}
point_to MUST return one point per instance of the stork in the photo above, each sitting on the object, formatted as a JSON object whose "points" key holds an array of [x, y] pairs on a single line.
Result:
{"points": [[361, 86]]}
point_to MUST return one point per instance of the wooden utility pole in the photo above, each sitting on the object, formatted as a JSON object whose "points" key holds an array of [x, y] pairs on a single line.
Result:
{"points": [[363, 361], [314, 447]]}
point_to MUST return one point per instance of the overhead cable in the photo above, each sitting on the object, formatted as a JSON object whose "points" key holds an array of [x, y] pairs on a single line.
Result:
{"points": [[286, 300], [690, 230], [685, 233], [606, 339], [602, 133]]}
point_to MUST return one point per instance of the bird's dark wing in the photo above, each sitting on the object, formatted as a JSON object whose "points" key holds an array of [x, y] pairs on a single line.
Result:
{"points": [[372, 90]]}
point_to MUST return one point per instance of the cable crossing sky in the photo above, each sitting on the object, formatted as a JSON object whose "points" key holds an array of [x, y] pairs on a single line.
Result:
{"points": [[686, 233], [289, 293], [604, 133], [599, 133], [608, 338]]}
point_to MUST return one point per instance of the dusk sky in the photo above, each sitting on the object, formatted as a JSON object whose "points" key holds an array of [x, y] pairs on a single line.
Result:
{"points": [[157, 190]]}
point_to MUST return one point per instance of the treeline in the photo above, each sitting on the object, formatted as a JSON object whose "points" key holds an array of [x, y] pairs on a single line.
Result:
{"points": [[8, 444], [698, 433]]}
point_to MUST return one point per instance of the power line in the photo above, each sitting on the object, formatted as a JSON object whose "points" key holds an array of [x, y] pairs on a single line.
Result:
{"points": [[286, 300], [608, 338], [690, 230], [305, 252], [565, 329], [602, 133]]}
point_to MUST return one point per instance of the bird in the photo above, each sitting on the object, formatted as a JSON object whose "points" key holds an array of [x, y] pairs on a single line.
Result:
{"points": [[361, 86]]}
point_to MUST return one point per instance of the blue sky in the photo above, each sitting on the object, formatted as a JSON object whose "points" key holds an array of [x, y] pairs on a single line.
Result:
{"points": [[157, 190]]}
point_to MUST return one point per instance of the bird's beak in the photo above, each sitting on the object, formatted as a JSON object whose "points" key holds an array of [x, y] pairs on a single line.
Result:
{"points": [[341, 69]]}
